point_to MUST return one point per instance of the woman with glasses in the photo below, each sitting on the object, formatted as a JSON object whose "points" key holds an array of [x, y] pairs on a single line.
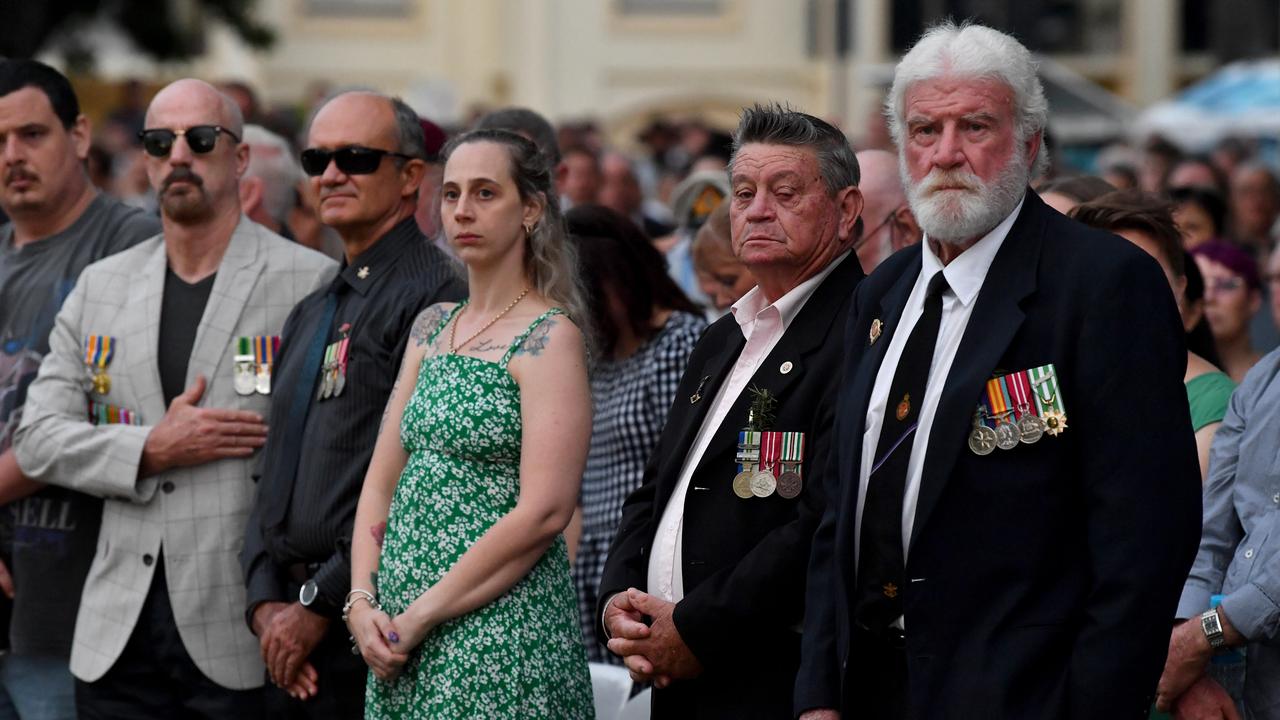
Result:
{"points": [[468, 609], [1232, 295]]}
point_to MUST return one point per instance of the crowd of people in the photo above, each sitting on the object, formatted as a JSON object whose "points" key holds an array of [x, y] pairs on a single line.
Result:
{"points": [[362, 417]]}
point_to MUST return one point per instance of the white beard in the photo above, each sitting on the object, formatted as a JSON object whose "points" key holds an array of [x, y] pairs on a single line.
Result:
{"points": [[954, 216]]}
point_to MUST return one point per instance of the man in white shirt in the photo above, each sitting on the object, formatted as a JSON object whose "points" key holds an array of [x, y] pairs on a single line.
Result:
{"points": [[703, 591], [988, 555]]}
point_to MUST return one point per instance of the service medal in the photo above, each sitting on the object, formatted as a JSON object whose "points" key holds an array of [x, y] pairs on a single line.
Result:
{"points": [[748, 456], [763, 484], [265, 348], [98, 352], [1032, 428], [742, 484], [789, 485], [340, 372], [244, 374], [1055, 422], [263, 384], [982, 441], [1007, 435]]}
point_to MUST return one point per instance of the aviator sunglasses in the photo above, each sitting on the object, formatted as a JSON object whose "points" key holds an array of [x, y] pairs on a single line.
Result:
{"points": [[351, 160], [200, 138]]}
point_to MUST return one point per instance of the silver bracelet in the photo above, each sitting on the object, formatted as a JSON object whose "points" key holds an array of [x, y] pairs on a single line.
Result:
{"points": [[359, 595]]}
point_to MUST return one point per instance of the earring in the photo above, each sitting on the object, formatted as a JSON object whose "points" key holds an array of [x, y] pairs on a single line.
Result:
{"points": [[528, 230]]}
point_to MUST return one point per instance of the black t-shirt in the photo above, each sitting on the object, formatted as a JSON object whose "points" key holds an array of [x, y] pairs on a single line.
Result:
{"points": [[55, 531], [180, 314]]}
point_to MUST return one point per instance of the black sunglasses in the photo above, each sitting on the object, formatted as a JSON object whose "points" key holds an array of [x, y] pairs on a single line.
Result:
{"points": [[200, 138], [351, 160]]}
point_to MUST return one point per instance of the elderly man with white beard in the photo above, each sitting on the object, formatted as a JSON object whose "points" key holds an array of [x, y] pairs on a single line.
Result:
{"points": [[1016, 501]]}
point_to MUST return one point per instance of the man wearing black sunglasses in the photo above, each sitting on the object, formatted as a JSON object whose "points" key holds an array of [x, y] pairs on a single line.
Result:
{"points": [[364, 157], [153, 337]]}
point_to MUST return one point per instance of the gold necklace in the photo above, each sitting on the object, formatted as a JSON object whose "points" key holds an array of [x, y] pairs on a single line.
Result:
{"points": [[453, 331]]}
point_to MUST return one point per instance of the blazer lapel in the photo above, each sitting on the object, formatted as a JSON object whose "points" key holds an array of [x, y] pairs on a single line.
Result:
{"points": [[237, 276], [995, 321], [148, 294]]}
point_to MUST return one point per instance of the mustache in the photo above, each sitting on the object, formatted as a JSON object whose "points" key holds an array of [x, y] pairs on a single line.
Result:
{"points": [[938, 179], [19, 173], [181, 174]]}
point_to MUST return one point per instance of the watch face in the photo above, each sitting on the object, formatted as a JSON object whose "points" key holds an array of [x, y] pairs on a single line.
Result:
{"points": [[307, 594]]}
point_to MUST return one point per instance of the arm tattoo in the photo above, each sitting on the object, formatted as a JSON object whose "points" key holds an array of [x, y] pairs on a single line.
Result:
{"points": [[427, 321], [538, 339]]}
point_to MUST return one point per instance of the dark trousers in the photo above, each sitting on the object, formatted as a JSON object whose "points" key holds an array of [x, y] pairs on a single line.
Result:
{"points": [[877, 680], [155, 679], [340, 690]]}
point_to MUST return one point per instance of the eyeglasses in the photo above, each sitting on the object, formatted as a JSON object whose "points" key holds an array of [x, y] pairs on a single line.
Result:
{"points": [[1224, 285], [351, 160], [891, 220], [158, 142]]}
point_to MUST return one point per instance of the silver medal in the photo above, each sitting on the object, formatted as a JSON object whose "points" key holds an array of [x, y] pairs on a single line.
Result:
{"points": [[1031, 427], [244, 376]]}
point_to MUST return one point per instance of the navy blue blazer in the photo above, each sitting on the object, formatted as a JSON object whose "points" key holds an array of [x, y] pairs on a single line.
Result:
{"points": [[743, 560], [1042, 581]]}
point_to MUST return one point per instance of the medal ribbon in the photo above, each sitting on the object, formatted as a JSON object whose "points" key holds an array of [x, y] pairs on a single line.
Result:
{"points": [[342, 354], [101, 413], [770, 450], [98, 350], [792, 450], [243, 346], [264, 349], [748, 440], [1020, 392], [995, 401], [1044, 382]]}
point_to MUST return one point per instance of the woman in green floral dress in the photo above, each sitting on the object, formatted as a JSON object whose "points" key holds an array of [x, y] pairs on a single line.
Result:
{"points": [[467, 611]]}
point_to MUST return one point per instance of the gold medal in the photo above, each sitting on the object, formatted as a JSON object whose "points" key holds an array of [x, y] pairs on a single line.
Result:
{"points": [[742, 484], [101, 382]]}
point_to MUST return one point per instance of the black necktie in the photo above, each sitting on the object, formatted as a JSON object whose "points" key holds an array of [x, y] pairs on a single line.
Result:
{"points": [[298, 403], [881, 567]]}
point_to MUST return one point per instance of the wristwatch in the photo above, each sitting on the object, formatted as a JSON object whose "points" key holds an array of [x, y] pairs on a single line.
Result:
{"points": [[1212, 627], [308, 593]]}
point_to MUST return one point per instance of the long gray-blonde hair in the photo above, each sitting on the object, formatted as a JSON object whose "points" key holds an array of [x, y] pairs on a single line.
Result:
{"points": [[549, 259]]}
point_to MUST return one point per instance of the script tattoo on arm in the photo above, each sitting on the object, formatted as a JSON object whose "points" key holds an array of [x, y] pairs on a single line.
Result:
{"points": [[537, 340]]}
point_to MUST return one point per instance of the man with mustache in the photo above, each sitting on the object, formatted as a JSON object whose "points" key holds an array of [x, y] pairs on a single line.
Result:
{"points": [[142, 401], [1017, 496], [366, 159], [703, 589], [60, 224]]}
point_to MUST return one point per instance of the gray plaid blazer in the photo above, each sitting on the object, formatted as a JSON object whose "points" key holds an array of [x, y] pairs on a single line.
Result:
{"points": [[199, 516]]}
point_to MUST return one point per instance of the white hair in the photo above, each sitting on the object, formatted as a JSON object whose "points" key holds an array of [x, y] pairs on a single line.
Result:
{"points": [[271, 159], [973, 51]]}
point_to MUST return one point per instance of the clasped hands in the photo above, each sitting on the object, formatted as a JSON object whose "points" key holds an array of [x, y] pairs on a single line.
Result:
{"points": [[1185, 689], [385, 642], [653, 652]]}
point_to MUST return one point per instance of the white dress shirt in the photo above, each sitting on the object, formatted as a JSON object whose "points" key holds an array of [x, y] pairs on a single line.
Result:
{"points": [[762, 325], [965, 276]]}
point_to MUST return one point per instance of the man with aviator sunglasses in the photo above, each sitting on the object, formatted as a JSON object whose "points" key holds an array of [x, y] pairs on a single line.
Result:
{"points": [[365, 159], [150, 337]]}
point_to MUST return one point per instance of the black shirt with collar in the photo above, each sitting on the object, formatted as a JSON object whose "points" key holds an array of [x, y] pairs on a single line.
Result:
{"points": [[378, 296]]}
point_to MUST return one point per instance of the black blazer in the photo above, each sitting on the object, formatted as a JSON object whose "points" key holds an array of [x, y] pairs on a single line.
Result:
{"points": [[1042, 580], [743, 560]]}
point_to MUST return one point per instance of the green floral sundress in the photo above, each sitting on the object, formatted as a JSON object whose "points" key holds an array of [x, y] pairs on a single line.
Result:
{"points": [[520, 656]]}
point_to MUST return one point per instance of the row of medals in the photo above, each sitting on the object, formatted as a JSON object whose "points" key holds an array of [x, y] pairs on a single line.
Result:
{"points": [[333, 378], [251, 377], [761, 483], [1008, 433]]}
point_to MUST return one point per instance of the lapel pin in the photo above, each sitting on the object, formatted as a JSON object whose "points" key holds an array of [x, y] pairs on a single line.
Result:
{"points": [[697, 394], [363, 272], [877, 327], [786, 367]]}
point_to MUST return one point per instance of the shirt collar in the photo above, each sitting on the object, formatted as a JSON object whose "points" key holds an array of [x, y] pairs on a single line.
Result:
{"points": [[378, 260], [966, 273], [749, 306]]}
